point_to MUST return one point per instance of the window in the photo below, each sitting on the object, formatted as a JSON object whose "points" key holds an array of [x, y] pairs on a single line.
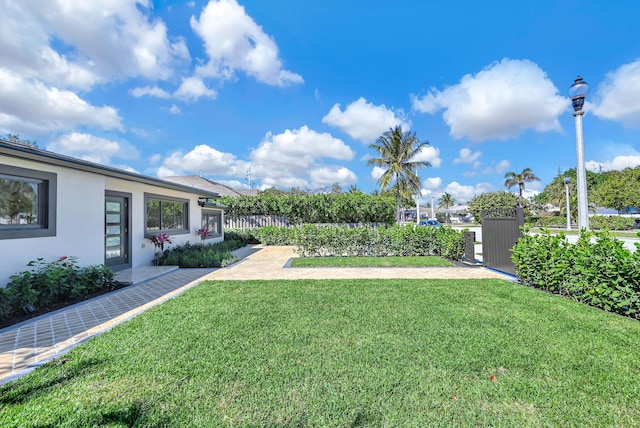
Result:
{"points": [[27, 203], [164, 214], [212, 220]]}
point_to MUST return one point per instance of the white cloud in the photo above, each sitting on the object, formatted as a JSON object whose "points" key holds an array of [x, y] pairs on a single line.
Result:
{"points": [[429, 154], [616, 164], [140, 132], [364, 121], [155, 159], [152, 91], [618, 97], [294, 158], [93, 149], [500, 168], [288, 159], [499, 102], [433, 187], [377, 172], [326, 176], [202, 158], [136, 45], [192, 88], [432, 184], [464, 193], [234, 184], [32, 108], [467, 156], [233, 41], [53, 49], [174, 109]]}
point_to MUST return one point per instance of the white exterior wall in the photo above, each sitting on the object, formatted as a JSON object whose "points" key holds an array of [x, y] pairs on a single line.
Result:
{"points": [[142, 250], [80, 221]]}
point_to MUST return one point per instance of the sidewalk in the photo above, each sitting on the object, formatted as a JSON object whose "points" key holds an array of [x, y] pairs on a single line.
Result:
{"points": [[27, 345], [270, 263]]}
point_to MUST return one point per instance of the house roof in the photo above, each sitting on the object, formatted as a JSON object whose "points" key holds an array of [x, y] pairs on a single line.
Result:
{"points": [[23, 151], [214, 186]]}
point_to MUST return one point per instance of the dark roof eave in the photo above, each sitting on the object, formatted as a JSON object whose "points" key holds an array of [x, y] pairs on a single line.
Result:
{"points": [[214, 205], [21, 151]]}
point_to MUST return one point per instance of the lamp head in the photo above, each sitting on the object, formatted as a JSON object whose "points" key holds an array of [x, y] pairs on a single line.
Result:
{"points": [[578, 91], [567, 180]]}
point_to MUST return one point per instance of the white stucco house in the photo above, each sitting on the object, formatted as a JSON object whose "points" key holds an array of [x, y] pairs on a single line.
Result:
{"points": [[53, 205]]}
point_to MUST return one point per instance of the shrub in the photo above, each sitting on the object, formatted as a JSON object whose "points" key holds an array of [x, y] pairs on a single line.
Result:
{"points": [[315, 208], [612, 222], [595, 222], [596, 270], [199, 255], [48, 283], [555, 221], [492, 200], [272, 235], [248, 236], [408, 240]]}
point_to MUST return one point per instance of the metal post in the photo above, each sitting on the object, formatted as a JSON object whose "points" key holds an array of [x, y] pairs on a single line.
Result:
{"points": [[566, 186], [583, 207], [433, 214]]}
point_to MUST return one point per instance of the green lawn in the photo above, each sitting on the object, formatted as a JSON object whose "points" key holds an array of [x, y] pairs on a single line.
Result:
{"points": [[345, 353], [424, 261]]}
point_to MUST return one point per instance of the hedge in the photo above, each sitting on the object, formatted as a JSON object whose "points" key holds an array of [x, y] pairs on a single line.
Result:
{"points": [[315, 208], [379, 241], [595, 222], [596, 270]]}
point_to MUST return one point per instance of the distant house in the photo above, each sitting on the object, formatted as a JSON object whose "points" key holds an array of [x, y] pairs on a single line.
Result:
{"points": [[53, 205], [210, 185]]}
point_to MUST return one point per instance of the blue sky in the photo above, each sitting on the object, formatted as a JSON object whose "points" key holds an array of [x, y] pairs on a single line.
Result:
{"points": [[295, 91]]}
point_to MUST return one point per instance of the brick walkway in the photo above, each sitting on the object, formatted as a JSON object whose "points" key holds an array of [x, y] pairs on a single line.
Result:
{"points": [[32, 343]]}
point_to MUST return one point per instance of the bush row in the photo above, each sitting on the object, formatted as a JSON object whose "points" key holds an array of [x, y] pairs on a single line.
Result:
{"points": [[595, 222], [408, 240], [611, 223], [48, 283], [315, 208], [336, 240], [596, 270], [199, 255]]}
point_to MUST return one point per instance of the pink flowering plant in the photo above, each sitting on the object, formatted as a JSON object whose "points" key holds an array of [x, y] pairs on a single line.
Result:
{"points": [[203, 232], [159, 240]]}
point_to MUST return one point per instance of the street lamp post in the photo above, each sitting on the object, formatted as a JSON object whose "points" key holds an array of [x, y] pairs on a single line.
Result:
{"points": [[433, 213], [566, 188], [578, 91]]}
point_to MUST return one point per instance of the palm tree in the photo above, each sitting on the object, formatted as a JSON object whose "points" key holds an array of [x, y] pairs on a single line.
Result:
{"points": [[445, 202], [397, 151], [526, 176]]}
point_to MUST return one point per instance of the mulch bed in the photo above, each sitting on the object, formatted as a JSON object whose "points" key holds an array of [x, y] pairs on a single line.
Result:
{"points": [[18, 318]]}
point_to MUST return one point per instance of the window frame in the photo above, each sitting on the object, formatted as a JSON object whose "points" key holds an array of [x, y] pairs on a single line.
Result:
{"points": [[171, 199], [204, 212], [47, 204]]}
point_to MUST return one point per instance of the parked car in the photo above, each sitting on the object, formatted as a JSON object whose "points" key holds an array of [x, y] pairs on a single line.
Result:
{"points": [[430, 223]]}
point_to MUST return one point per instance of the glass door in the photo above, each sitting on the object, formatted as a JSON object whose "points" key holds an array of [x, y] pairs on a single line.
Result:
{"points": [[116, 235]]}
